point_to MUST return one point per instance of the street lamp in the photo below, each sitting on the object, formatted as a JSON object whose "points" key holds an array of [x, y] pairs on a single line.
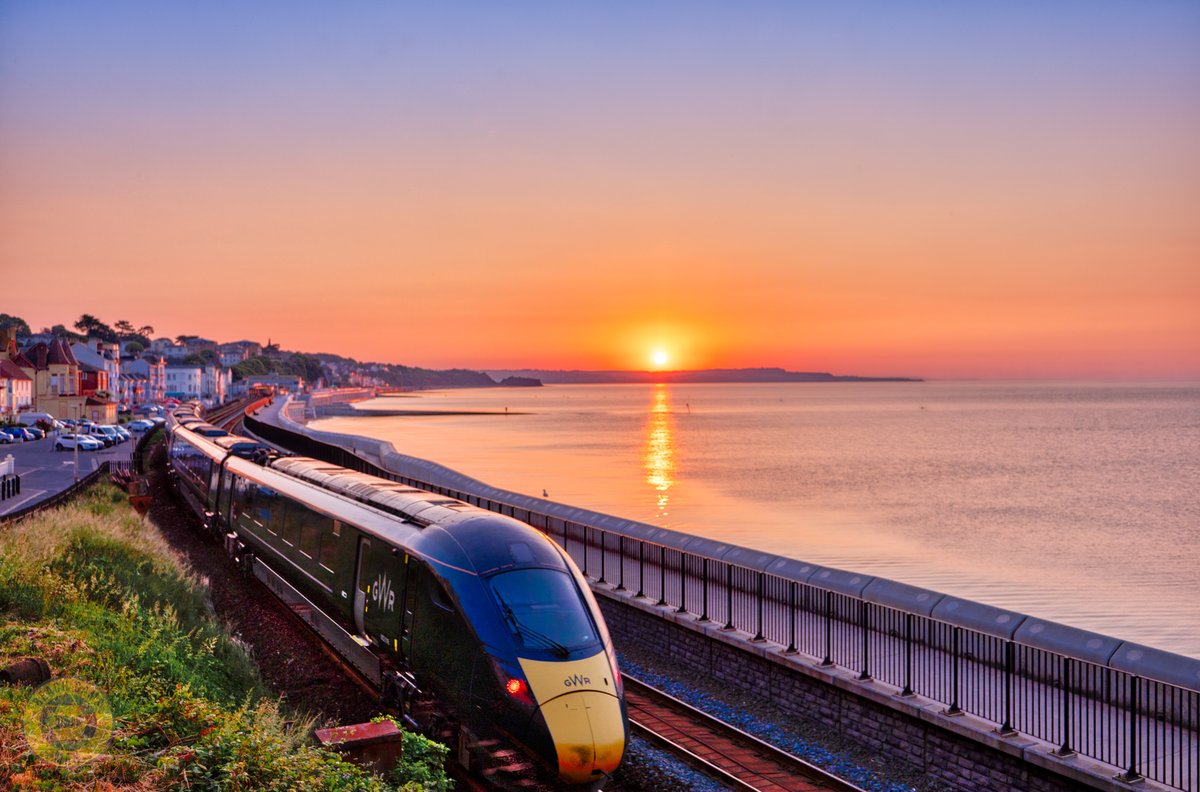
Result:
{"points": [[78, 418]]}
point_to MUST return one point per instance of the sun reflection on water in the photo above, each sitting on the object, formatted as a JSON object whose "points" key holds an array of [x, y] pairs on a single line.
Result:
{"points": [[659, 458]]}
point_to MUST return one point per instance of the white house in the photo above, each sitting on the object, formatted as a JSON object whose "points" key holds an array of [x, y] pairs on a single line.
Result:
{"points": [[184, 382]]}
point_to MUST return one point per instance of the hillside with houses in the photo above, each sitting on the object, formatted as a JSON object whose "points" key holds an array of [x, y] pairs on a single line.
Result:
{"points": [[97, 371]]}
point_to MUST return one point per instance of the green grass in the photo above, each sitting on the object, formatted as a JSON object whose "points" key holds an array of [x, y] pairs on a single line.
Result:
{"points": [[97, 592]]}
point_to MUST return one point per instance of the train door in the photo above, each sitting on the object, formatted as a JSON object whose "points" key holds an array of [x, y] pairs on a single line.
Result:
{"points": [[360, 584], [379, 592]]}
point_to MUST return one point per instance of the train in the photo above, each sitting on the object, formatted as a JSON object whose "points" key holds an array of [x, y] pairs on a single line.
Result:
{"points": [[479, 612]]}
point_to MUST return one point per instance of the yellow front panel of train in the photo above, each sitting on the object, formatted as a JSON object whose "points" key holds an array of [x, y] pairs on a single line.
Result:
{"points": [[579, 703]]}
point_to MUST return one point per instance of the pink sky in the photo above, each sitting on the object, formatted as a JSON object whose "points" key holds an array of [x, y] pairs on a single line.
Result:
{"points": [[981, 192]]}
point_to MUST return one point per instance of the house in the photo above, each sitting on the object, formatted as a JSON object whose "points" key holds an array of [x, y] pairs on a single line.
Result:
{"points": [[154, 371], [16, 389], [57, 382], [100, 367], [184, 382]]}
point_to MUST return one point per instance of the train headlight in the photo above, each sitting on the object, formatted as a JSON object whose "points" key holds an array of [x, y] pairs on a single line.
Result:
{"points": [[514, 684]]}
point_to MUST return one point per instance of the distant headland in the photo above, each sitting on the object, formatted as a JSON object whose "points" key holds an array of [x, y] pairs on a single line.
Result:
{"points": [[701, 375]]}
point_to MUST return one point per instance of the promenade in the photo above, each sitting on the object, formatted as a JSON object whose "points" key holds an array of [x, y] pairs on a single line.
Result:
{"points": [[45, 472]]}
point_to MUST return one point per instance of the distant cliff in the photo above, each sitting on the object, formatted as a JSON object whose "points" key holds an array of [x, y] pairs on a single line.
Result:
{"points": [[703, 375]]}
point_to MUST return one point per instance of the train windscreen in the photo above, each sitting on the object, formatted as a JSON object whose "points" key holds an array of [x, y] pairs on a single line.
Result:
{"points": [[543, 610]]}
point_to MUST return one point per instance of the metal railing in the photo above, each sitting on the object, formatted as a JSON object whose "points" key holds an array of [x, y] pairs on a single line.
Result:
{"points": [[1146, 727]]}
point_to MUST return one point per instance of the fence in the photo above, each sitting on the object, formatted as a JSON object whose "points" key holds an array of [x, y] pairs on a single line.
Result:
{"points": [[1097, 701]]}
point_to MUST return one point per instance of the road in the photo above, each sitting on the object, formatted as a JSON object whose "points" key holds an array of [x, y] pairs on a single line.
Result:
{"points": [[44, 471]]}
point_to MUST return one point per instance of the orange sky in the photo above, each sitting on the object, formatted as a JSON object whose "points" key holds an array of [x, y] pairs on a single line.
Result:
{"points": [[1000, 193]]}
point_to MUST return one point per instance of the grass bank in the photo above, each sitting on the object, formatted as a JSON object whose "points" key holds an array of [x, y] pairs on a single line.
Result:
{"points": [[97, 592]]}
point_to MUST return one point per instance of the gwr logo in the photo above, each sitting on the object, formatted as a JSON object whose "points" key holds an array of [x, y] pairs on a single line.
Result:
{"points": [[382, 594], [576, 680]]}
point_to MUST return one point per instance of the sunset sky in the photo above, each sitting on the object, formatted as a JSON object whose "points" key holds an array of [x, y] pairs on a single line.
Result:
{"points": [[992, 189]]}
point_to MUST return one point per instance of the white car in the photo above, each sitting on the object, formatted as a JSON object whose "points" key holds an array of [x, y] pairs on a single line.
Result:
{"points": [[69, 441], [140, 425]]}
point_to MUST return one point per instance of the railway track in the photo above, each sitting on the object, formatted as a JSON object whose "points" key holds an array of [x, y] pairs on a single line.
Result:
{"points": [[726, 754]]}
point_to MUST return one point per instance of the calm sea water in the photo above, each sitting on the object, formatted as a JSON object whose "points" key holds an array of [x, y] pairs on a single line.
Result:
{"points": [[1073, 502]]}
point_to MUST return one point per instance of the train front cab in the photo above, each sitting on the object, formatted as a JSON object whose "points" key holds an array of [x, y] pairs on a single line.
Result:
{"points": [[568, 669], [549, 647]]}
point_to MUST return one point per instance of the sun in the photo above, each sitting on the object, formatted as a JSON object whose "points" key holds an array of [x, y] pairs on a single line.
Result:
{"points": [[659, 358]]}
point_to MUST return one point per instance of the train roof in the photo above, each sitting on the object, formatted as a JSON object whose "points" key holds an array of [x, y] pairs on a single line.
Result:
{"points": [[439, 529]]}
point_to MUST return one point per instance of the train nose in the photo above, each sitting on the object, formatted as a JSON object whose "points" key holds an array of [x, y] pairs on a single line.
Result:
{"points": [[588, 733]]}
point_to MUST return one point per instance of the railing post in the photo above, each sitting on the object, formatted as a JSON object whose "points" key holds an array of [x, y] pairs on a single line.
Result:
{"points": [[954, 709], [1010, 650], [682, 584], [791, 647], [641, 568], [728, 596], [565, 548], [585, 550], [758, 635], [828, 661], [1135, 713], [603, 560], [621, 561], [704, 592], [1065, 749], [864, 619], [908, 650], [662, 575]]}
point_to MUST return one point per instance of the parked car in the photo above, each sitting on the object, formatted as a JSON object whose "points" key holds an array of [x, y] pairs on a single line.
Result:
{"points": [[140, 425], [70, 441], [17, 432], [38, 434], [6, 439], [93, 431], [107, 431]]}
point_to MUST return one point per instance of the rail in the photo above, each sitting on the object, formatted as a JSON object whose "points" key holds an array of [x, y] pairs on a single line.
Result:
{"points": [[1099, 702]]}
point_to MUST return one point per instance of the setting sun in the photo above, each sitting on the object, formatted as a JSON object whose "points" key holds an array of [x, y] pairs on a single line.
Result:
{"points": [[659, 358]]}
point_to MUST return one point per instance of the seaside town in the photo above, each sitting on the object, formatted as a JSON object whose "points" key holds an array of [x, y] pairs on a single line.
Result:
{"points": [[99, 373]]}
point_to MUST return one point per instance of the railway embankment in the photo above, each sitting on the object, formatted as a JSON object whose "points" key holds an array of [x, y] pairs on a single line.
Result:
{"points": [[149, 688]]}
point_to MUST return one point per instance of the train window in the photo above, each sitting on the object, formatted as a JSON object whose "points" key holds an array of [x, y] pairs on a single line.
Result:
{"points": [[543, 609], [437, 593], [311, 527], [264, 508], [329, 544]]}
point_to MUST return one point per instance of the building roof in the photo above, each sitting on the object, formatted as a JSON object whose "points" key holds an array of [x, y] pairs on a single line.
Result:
{"points": [[55, 353], [61, 354], [10, 369], [22, 361]]}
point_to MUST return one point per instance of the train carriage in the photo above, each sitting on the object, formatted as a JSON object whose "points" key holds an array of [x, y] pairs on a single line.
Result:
{"points": [[480, 610]]}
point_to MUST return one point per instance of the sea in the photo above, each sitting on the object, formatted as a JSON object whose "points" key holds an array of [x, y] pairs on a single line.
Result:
{"points": [[1074, 502]]}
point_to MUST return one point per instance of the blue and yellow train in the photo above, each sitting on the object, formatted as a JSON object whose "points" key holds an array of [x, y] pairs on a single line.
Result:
{"points": [[477, 610]]}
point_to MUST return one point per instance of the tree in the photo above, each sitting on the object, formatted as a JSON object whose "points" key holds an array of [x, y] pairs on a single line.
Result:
{"points": [[146, 330], [21, 326], [91, 326], [134, 348], [62, 331], [124, 327], [184, 338]]}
